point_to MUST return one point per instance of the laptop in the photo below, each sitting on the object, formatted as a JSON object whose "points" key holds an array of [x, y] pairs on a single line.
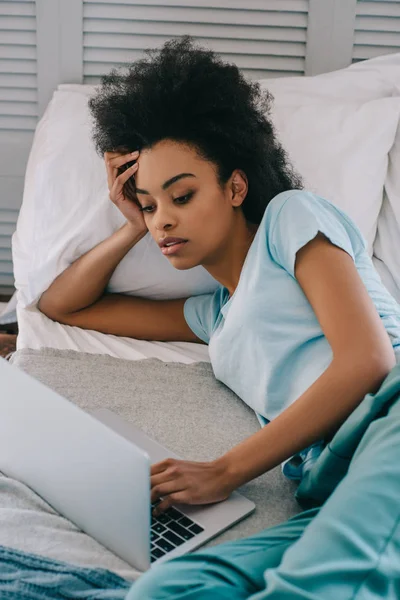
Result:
{"points": [[94, 469]]}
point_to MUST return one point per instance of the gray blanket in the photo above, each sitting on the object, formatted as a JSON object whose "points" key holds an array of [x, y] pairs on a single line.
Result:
{"points": [[156, 396]]}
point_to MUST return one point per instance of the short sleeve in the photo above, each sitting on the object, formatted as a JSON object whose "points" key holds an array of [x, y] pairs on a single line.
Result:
{"points": [[297, 220], [201, 314]]}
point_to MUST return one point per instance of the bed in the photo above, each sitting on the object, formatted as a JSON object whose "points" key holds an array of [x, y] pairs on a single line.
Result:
{"points": [[157, 384]]}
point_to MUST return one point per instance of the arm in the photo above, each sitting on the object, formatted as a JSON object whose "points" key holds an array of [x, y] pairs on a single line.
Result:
{"points": [[314, 416], [77, 298], [362, 357], [84, 282]]}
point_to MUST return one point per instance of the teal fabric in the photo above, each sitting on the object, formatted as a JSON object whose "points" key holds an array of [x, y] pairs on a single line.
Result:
{"points": [[346, 548], [333, 463], [265, 342]]}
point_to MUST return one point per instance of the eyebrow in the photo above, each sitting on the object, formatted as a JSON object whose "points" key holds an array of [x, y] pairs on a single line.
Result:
{"points": [[168, 182]]}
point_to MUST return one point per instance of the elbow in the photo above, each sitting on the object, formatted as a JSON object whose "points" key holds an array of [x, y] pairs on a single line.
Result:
{"points": [[41, 306], [383, 360], [377, 368], [368, 368], [47, 309], [381, 367]]}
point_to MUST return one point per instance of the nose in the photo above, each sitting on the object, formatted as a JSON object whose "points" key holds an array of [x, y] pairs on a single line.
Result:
{"points": [[164, 219]]}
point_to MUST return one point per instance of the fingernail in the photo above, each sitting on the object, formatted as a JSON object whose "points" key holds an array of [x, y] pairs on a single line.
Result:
{"points": [[134, 153]]}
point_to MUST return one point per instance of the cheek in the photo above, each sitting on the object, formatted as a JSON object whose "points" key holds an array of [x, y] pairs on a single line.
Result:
{"points": [[213, 207], [215, 225], [149, 222]]}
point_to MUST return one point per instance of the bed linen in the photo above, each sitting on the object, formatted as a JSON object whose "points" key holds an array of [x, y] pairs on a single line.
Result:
{"points": [[27, 576], [184, 394]]}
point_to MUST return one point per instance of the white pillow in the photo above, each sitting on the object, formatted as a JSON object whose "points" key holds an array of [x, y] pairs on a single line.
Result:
{"points": [[341, 150], [360, 82], [66, 210], [387, 243]]}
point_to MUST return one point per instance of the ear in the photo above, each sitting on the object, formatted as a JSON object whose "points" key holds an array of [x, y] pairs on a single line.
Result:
{"points": [[238, 187]]}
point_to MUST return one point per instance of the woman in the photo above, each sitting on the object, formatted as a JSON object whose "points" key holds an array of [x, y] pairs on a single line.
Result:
{"points": [[301, 327]]}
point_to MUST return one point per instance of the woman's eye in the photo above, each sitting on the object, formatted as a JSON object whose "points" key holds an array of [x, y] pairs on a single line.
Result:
{"points": [[180, 200], [184, 199]]}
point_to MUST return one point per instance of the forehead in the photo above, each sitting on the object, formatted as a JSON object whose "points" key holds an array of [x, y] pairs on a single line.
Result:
{"points": [[167, 159]]}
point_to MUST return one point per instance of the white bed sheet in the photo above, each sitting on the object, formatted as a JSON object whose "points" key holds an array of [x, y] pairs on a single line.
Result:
{"points": [[37, 331]]}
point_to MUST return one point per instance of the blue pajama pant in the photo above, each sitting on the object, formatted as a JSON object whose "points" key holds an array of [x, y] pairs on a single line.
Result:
{"points": [[346, 549]]}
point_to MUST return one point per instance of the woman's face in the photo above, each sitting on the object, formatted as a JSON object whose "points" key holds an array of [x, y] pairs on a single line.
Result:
{"points": [[181, 197]]}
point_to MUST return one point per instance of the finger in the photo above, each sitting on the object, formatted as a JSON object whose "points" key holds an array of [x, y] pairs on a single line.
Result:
{"points": [[108, 155], [129, 191], [171, 472], [111, 173], [165, 489], [166, 503], [123, 178], [114, 162], [162, 478], [111, 176], [162, 465], [118, 161]]}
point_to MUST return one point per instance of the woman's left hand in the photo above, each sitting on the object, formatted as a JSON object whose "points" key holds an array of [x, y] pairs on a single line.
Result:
{"points": [[182, 481]]}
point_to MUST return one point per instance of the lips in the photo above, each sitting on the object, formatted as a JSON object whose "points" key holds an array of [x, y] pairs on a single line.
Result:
{"points": [[169, 241], [174, 248]]}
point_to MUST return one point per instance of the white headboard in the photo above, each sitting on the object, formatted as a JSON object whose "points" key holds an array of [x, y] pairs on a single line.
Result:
{"points": [[47, 42]]}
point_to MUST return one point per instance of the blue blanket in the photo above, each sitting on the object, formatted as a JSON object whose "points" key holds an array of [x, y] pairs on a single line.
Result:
{"points": [[25, 576]]}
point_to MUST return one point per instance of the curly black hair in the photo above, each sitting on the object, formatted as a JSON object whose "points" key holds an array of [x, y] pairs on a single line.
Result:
{"points": [[188, 94]]}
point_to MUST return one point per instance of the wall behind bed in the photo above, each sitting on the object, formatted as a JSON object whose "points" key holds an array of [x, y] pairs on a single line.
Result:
{"points": [[47, 42]]}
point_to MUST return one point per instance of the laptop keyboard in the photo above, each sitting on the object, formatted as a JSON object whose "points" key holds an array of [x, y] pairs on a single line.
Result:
{"points": [[169, 530]]}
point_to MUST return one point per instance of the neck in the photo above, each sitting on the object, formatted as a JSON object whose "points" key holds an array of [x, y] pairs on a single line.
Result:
{"points": [[227, 268]]}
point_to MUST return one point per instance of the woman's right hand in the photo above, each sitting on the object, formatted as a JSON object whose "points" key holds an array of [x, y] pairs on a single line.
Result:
{"points": [[121, 186]]}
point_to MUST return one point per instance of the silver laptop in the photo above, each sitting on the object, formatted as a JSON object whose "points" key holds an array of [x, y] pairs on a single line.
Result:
{"points": [[94, 469]]}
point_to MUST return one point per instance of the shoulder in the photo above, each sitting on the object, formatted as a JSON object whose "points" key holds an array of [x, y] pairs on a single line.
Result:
{"points": [[295, 201], [298, 209], [293, 218]]}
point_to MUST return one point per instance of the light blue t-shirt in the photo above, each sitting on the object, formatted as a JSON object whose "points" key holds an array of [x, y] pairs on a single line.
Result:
{"points": [[265, 342]]}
